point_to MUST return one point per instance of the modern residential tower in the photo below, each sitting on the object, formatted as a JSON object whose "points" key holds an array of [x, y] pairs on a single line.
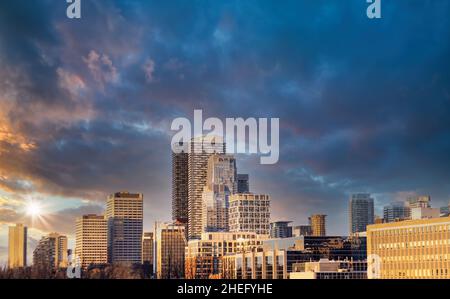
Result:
{"points": [[51, 252], [180, 184], [201, 148]]}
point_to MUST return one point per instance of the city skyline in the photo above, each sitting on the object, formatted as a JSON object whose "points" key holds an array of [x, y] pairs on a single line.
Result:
{"points": [[87, 106]]}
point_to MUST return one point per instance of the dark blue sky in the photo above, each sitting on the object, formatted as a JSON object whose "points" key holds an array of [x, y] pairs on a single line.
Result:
{"points": [[86, 105]]}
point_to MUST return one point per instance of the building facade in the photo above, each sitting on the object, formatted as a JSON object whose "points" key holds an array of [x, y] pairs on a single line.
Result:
{"points": [[250, 213], [180, 184], [204, 256], [277, 257], [424, 213], [220, 184], [412, 249], [147, 248], [396, 212], [201, 148], [17, 246], [302, 230], [318, 225], [51, 252], [91, 242], [280, 229], [422, 201], [124, 215], [215, 209], [170, 243], [330, 269], [243, 183], [361, 212]]}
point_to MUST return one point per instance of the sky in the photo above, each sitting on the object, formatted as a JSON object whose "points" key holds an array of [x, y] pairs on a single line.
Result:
{"points": [[86, 105]]}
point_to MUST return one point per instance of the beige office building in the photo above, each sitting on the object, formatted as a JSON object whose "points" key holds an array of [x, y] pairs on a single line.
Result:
{"points": [[91, 244], [250, 213], [409, 249], [318, 225], [204, 256], [17, 257], [170, 243]]}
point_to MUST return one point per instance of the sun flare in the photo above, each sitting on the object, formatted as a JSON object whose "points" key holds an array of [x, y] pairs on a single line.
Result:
{"points": [[33, 209]]}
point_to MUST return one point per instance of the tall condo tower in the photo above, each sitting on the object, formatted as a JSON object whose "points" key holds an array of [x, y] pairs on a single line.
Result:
{"points": [[201, 148]]}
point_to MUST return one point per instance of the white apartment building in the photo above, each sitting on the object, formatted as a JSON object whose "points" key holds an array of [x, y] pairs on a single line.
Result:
{"points": [[250, 213]]}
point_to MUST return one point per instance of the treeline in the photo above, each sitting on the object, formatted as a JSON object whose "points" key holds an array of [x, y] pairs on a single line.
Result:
{"points": [[97, 272]]}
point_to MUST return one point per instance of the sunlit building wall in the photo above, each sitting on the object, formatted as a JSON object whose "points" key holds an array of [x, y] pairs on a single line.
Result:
{"points": [[91, 244], [51, 252], [17, 242], [410, 249], [124, 215], [318, 225], [170, 243]]}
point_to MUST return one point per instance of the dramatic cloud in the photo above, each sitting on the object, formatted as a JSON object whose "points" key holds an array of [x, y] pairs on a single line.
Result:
{"points": [[149, 69]]}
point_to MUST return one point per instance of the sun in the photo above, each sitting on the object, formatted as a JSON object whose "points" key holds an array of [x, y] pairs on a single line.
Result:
{"points": [[33, 209]]}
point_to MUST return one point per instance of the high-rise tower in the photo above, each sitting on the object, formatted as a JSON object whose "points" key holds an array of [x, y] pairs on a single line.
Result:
{"points": [[124, 214], [201, 148], [180, 184], [361, 212], [17, 246], [91, 242]]}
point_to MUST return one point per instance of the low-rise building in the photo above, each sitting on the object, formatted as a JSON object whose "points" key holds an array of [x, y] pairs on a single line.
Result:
{"points": [[424, 213], [276, 258], [409, 249], [330, 269], [204, 257]]}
